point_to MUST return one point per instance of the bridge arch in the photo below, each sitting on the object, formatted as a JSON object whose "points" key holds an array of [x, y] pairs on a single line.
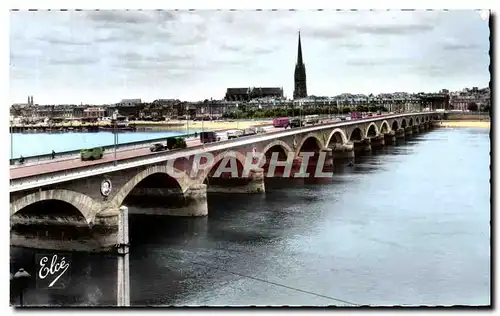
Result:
{"points": [[240, 163], [410, 123], [278, 146], [371, 130], [416, 120], [86, 205], [338, 136], [403, 123], [384, 127], [310, 142], [356, 134], [395, 125], [277, 143], [173, 174]]}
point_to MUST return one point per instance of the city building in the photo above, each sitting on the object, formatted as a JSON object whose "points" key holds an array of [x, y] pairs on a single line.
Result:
{"points": [[273, 92], [94, 112], [248, 94], [461, 100], [129, 102], [237, 94]]}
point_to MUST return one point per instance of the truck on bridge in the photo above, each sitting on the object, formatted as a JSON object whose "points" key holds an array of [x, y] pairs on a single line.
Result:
{"points": [[356, 115], [91, 154], [209, 137]]}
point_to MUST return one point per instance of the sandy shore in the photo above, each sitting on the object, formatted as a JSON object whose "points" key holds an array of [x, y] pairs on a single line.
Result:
{"points": [[207, 125], [478, 124]]}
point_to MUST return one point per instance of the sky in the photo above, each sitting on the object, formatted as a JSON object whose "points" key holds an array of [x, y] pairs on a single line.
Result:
{"points": [[100, 57]]}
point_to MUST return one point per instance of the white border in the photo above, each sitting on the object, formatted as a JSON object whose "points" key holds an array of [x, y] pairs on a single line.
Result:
{"points": [[184, 4]]}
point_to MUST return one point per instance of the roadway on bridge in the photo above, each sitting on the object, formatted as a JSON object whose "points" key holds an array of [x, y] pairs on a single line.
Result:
{"points": [[50, 166]]}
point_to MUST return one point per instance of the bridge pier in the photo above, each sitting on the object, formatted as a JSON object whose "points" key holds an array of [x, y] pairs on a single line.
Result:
{"points": [[328, 164], [253, 184], [314, 160], [377, 142], [390, 138], [363, 145], [342, 152], [421, 128], [316, 169], [193, 202], [415, 129], [400, 134], [408, 131]]}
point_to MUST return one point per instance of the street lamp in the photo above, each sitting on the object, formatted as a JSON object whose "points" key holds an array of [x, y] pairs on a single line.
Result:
{"points": [[11, 141], [187, 119], [300, 113], [21, 278], [115, 135], [237, 122]]}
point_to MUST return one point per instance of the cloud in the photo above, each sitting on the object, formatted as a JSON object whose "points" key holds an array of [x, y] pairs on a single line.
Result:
{"points": [[392, 29], [231, 48], [379, 62], [263, 50], [77, 61], [112, 18], [62, 41], [197, 55], [458, 46], [329, 33], [187, 41], [247, 49]]}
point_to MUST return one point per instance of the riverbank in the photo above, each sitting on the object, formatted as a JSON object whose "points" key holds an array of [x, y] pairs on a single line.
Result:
{"points": [[198, 125], [477, 124]]}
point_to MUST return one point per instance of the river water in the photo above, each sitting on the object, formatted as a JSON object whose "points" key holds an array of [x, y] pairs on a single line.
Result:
{"points": [[32, 144], [409, 225]]}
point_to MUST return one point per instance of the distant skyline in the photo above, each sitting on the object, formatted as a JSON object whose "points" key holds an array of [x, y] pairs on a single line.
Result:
{"points": [[105, 56]]}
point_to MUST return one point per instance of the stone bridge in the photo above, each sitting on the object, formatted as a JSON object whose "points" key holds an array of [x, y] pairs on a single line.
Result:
{"points": [[181, 188]]}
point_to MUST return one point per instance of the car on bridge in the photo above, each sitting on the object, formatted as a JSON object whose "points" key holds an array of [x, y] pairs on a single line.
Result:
{"points": [[296, 122], [260, 130], [234, 134], [249, 132], [158, 147], [312, 119]]}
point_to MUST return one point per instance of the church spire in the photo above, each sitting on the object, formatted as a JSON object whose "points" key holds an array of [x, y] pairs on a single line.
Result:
{"points": [[300, 90], [299, 53]]}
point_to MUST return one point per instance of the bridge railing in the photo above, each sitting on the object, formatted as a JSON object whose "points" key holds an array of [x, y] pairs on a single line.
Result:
{"points": [[76, 153], [25, 183]]}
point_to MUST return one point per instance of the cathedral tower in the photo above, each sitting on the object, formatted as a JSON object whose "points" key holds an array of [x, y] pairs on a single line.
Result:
{"points": [[300, 90]]}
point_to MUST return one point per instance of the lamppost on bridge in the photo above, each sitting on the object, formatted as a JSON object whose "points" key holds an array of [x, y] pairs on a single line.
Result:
{"points": [[115, 134], [237, 122], [11, 140], [21, 278], [187, 120]]}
